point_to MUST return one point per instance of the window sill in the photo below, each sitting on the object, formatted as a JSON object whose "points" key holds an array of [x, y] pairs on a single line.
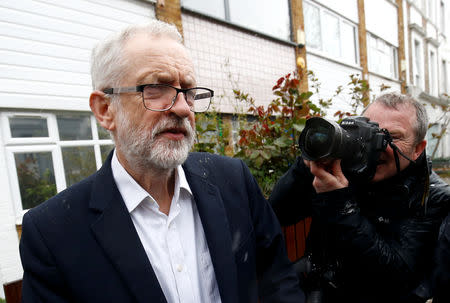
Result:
{"points": [[388, 78], [335, 60]]}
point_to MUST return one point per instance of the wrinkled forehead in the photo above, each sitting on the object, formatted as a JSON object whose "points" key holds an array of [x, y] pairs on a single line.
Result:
{"points": [[403, 116], [162, 57]]}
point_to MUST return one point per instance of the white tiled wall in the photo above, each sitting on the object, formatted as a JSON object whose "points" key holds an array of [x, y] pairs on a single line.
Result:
{"points": [[226, 58]]}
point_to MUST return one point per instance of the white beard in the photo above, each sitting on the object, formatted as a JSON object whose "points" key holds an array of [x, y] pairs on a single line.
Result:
{"points": [[144, 150]]}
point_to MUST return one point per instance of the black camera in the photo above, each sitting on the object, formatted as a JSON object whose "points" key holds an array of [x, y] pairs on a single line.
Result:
{"points": [[357, 141]]}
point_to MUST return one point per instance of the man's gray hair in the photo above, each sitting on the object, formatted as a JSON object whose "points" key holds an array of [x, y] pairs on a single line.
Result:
{"points": [[108, 63], [395, 100]]}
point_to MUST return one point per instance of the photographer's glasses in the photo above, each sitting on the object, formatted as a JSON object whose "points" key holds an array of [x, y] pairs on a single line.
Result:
{"points": [[162, 97]]}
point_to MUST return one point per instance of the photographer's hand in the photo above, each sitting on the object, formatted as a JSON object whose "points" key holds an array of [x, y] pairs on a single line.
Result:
{"points": [[328, 175]]}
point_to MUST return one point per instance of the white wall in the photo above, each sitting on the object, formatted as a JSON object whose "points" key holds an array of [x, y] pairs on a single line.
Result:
{"points": [[431, 31], [415, 16], [44, 64], [44, 58], [376, 82], [10, 265], [331, 75], [444, 147], [226, 58]]}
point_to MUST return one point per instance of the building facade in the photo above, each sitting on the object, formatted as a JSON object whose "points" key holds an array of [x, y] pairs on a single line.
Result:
{"points": [[49, 139]]}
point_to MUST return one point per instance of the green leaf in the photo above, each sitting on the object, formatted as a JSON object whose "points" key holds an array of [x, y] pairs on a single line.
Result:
{"points": [[254, 154], [282, 142], [266, 155], [298, 127], [305, 95]]}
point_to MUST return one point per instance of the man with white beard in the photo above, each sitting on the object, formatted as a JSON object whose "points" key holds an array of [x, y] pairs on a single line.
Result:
{"points": [[155, 223]]}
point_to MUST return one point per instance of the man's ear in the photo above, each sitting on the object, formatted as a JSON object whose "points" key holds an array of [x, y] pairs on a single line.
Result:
{"points": [[104, 112], [419, 149]]}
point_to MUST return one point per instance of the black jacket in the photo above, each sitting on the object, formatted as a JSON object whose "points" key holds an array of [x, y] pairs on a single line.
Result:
{"points": [[82, 246], [373, 242], [441, 275]]}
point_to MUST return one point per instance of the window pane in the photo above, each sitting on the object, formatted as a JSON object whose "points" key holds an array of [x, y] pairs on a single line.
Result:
{"points": [[418, 64], [214, 8], [36, 177], [74, 127], [266, 16], [348, 43], [331, 36], [79, 163], [394, 64], [26, 127], [102, 133], [104, 150], [312, 26]]}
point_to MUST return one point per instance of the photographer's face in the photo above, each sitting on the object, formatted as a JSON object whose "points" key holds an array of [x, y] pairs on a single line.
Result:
{"points": [[400, 124]]}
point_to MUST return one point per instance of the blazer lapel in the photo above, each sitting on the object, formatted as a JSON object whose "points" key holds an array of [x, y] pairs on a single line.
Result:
{"points": [[115, 233], [215, 224]]}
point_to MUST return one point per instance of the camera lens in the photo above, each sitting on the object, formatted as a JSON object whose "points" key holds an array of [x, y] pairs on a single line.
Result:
{"points": [[317, 141], [320, 139]]}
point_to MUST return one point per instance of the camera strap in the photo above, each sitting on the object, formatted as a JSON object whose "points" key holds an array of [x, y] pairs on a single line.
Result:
{"points": [[396, 150]]}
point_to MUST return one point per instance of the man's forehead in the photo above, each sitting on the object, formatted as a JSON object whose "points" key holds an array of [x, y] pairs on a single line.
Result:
{"points": [[158, 59], [394, 119], [380, 109]]}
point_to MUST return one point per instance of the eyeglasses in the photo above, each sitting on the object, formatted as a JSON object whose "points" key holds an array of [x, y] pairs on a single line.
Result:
{"points": [[162, 97]]}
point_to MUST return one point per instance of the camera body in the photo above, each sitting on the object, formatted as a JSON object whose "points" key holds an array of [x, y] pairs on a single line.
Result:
{"points": [[357, 141]]}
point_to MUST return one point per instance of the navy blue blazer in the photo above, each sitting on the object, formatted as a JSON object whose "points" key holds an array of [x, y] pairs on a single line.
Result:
{"points": [[81, 245]]}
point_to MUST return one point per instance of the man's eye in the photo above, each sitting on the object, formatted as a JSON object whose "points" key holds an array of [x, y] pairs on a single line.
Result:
{"points": [[154, 92]]}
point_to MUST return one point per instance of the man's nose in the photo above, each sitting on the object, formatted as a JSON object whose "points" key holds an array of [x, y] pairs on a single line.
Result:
{"points": [[181, 107]]}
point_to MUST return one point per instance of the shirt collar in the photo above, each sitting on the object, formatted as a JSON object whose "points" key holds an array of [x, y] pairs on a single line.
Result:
{"points": [[132, 193]]}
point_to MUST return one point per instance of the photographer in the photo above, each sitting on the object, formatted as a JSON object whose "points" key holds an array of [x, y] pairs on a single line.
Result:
{"points": [[441, 272], [370, 240]]}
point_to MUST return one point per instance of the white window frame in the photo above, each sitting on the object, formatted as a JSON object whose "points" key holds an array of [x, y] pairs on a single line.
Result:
{"points": [[432, 71], [9, 140], [418, 71], [14, 179], [341, 20], [52, 144], [392, 54], [444, 85]]}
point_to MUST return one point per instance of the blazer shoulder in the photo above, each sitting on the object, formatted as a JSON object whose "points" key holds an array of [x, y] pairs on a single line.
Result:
{"points": [[67, 201], [206, 164], [204, 157]]}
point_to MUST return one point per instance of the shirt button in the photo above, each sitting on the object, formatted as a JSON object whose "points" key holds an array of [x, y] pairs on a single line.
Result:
{"points": [[180, 268]]}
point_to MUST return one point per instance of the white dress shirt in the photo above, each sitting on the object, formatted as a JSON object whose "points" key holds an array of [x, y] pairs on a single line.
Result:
{"points": [[175, 244]]}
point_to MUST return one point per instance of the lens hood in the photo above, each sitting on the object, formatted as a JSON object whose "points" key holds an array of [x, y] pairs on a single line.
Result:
{"points": [[321, 139]]}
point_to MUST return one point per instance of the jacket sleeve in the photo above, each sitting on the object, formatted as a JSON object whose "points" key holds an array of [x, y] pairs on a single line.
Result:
{"points": [[42, 281], [291, 197], [389, 259], [277, 281], [441, 273]]}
